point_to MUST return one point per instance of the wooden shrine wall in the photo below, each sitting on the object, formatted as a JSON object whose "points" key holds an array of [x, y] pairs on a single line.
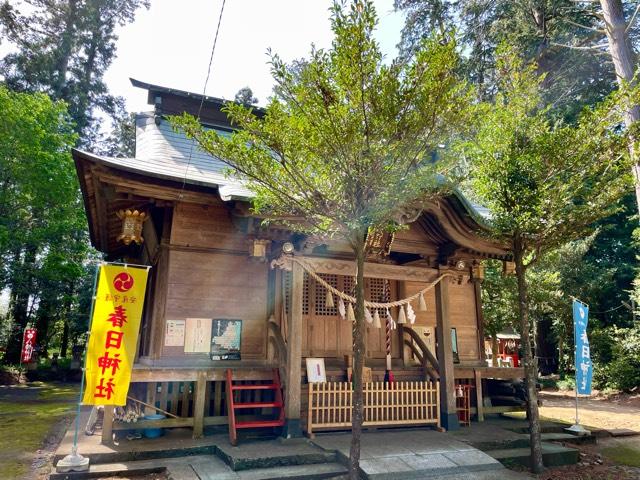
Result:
{"points": [[462, 312], [210, 275]]}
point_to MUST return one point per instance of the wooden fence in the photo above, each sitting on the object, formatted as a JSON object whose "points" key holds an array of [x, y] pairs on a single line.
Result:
{"points": [[399, 403]]}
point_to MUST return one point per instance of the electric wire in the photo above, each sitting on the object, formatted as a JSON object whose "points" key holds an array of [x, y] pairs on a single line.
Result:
{"points": [[204, 91]]}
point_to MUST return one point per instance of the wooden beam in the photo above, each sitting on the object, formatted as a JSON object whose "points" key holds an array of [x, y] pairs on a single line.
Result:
{"points": [[372, 270], [199, 405], [448, 414], [292, 402]]}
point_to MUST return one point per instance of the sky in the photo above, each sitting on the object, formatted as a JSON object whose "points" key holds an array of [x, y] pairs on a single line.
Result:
{"points": [[170, 44]]}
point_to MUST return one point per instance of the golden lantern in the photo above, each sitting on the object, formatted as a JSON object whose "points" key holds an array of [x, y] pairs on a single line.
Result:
{"points": [[132, 221], [477, 270], [508, 268]]}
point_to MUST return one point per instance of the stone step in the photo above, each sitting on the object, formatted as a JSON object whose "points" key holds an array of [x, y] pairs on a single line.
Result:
{"points": [[273, 453], [291, 472], [553, 455], [143, 467], [203, 467]]}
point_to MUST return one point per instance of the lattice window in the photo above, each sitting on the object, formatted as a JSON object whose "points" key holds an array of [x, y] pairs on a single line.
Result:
{"points": [[349, 286], [379, 291], [288, 276], [321, 296]]}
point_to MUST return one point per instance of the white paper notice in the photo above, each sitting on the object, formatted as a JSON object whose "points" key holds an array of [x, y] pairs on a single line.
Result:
{"points": [[197, 336], [174, 334]]}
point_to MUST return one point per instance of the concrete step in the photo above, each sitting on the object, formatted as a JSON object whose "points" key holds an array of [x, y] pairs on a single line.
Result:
{"points": [[143, 467], [273, 453], [553, 455], [203, 467], [290, 472]]}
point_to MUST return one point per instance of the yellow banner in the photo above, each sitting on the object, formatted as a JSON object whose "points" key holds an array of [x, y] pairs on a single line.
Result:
{"points": [[114, 334]]}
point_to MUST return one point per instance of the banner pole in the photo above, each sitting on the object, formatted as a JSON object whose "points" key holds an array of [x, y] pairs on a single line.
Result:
{"points": [[76, 462], [576, 428]]}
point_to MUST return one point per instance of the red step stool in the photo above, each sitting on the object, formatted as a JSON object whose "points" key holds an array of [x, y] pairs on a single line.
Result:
{"points": [[232, 406]]}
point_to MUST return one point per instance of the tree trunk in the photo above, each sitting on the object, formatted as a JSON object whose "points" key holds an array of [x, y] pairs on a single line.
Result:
{"points": [[530, 362], [358, 360], [64, 51], [624, 62], [21, 289], [495, 350]]}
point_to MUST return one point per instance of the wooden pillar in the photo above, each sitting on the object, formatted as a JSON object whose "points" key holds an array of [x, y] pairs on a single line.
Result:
{"points": [[292, 427], [448, 414], [161, 285], [199, 404], [107, 425], [479, 396], [477, 289]]}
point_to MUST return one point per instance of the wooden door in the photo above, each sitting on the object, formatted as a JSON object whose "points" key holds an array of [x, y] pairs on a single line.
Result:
{"points": [[326, 334]]}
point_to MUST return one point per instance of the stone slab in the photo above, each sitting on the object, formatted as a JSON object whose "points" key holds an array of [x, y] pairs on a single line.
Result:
{"points": [[552, 455], [272, 453]]}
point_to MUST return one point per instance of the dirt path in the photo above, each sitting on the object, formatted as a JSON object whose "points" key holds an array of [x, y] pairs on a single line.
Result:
{"points": [[622, 412]]}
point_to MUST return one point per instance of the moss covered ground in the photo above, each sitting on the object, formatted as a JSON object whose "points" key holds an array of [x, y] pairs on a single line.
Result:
{"points": [[28, 415]]}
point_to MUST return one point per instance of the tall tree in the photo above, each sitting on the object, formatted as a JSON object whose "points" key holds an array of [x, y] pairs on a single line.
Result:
{"points": [[546, 183], [245, 97], [346, 143], [625, 63], [39, 201], [538, 29], [63, 48]]}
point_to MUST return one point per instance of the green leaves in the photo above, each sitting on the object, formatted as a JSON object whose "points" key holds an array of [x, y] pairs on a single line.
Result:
{"points": [[547, 182], [347, 140]]}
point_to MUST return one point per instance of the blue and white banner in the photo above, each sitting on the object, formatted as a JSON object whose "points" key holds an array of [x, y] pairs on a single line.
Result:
{"points": [[584, 367]]}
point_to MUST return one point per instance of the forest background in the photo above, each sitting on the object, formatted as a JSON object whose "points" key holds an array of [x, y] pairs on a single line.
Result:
{"points": [[54, 79]]}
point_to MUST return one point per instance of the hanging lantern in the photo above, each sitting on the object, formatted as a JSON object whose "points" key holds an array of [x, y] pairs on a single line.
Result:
{"points": [[328, 302], [342, 310], [478, 271], [351, 316], [459, 392], [508, 268], [132, 221], [411, 315], [376, 319], [422, 305], [367, 316]]}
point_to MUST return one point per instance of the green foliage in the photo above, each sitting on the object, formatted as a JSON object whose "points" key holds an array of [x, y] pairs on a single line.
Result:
{"points": [[537, 30], [547, 182], [43, 241], [616, 358], [245, 97], [63, 48], [348, 140], [499, 299]]}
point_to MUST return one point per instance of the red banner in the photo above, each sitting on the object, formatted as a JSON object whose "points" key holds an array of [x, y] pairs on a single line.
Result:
{"points": [[28, 344]]}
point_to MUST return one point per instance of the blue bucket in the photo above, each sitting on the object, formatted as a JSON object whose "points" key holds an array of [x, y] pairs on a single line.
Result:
{"points": [[153, 432]]}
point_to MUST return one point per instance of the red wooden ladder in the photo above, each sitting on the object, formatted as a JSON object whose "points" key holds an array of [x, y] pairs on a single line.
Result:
{"points": [[233, 406]]}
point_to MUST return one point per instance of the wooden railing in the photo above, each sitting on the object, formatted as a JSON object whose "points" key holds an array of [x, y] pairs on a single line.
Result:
{"points": [[429, 363], [385, 404], [195, 396]]}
